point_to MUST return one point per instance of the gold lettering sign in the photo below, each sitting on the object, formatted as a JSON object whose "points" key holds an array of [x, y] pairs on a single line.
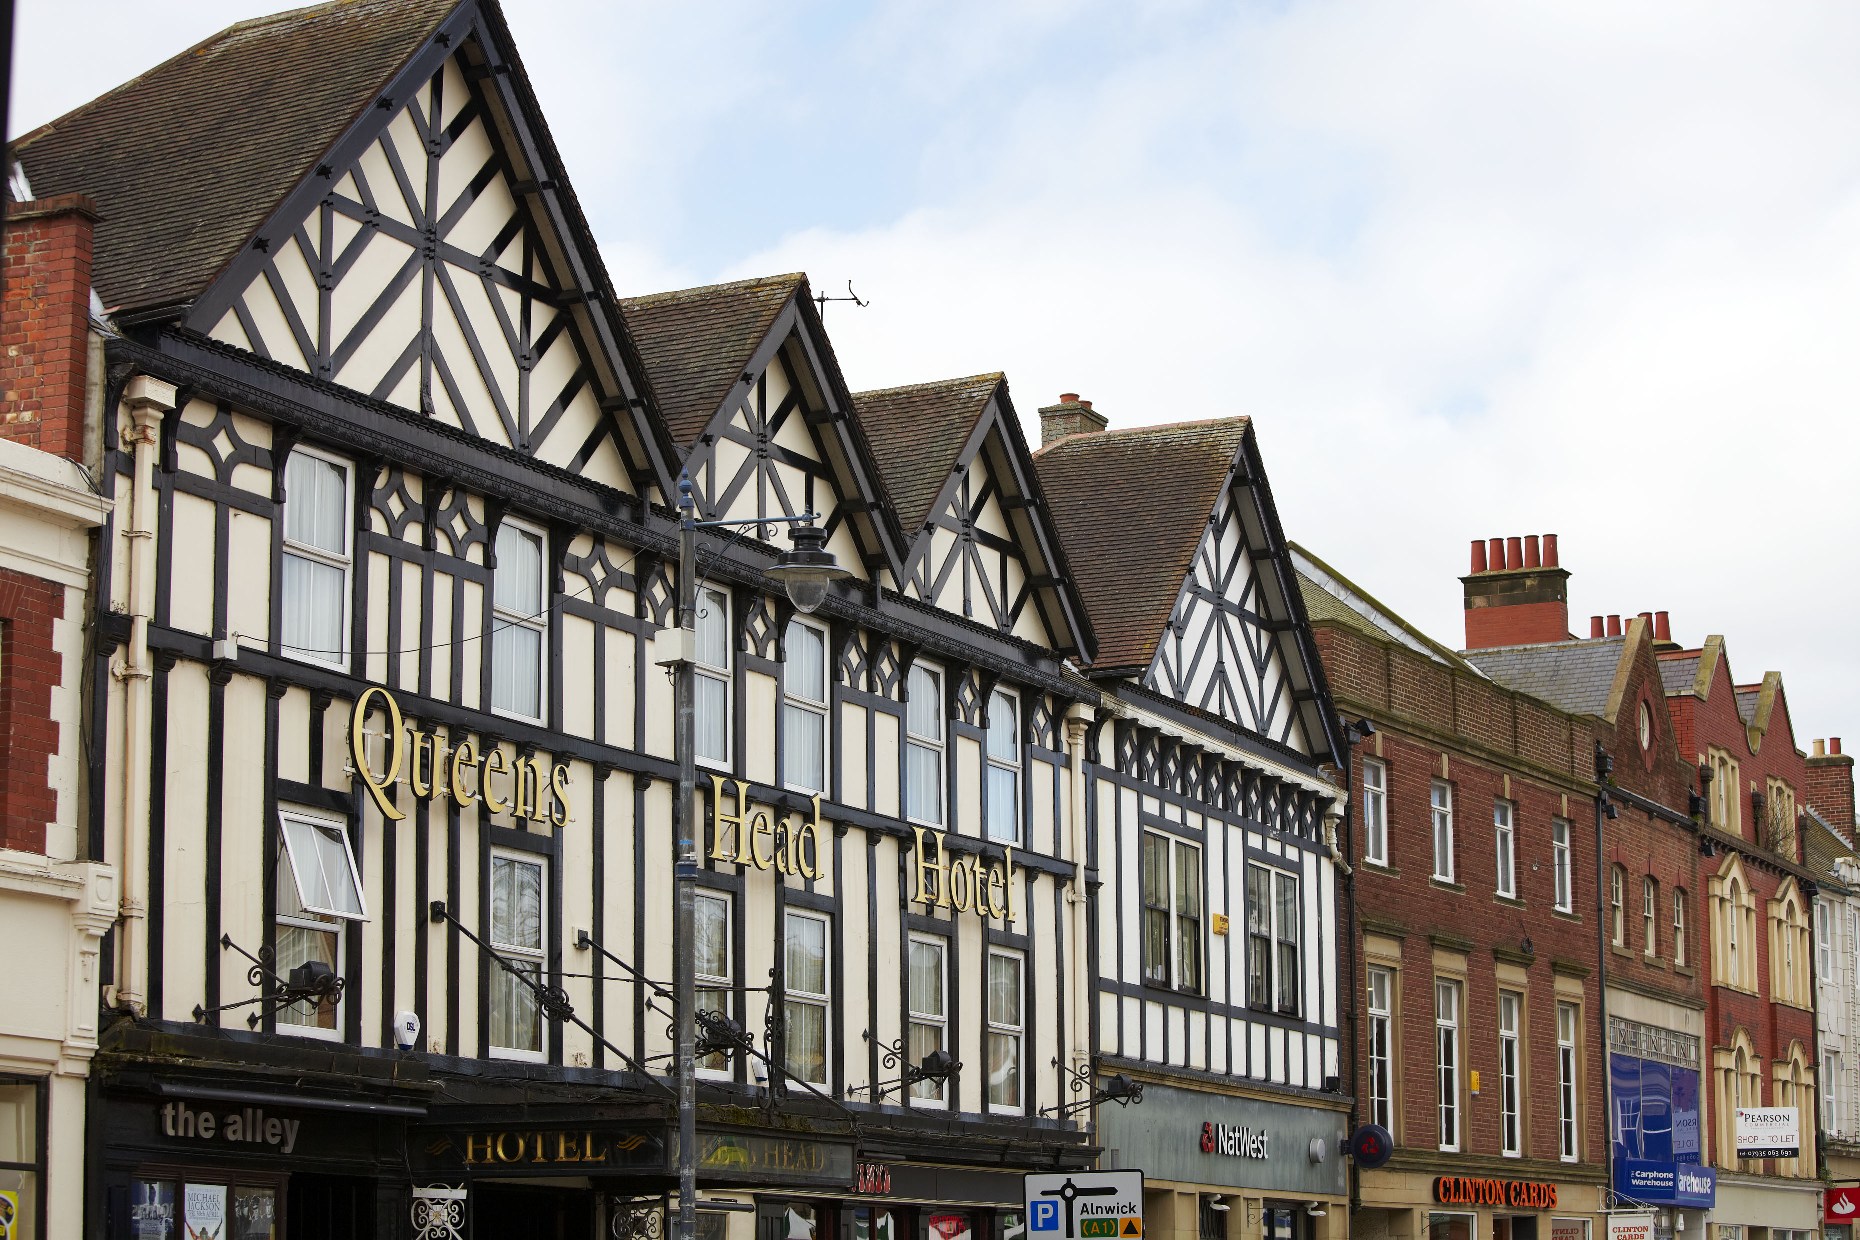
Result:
{"points": [[963, 883], [549, 1147], [749, 837], [513, 785]]}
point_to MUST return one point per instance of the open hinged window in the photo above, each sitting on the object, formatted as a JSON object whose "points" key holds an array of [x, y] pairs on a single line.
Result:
{"points": [[323, 867]]}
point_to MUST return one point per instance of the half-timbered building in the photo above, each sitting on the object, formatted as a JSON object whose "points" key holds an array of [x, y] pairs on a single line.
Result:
{"points": [[1213, 852], [380, 728]]}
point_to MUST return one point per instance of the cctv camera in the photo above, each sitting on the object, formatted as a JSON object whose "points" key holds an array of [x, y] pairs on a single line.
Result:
{"points": [[406, 1030]]}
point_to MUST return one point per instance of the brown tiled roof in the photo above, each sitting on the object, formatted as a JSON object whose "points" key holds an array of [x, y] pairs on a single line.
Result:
{"points": [[916, 434], [695, 342], [1131, 507], [1575, 676], [186, 161]]}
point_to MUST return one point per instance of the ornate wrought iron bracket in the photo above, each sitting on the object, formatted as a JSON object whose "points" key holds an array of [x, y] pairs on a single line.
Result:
{"points": [[937, 1066], [1119, 1089], [311, 982], [551, 1000]]}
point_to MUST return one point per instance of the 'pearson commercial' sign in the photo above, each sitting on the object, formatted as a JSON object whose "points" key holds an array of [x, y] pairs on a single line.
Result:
{"points": [[1768, 1132]]}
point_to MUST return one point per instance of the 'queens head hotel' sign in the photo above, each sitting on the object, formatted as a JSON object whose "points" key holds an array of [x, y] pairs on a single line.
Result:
{"points": [[435, 767]]}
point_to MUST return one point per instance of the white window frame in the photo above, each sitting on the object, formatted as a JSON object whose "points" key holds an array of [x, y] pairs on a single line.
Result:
{"points": [[1617, 911], [930, 1094], [1510, 1074], [1568, 1032], [1447, 1063], [1008, 769], [1375, 811], [928, 743], [538, 956], [1679, 926], [1170, 975], [1440, 811], [1505, 846], [345, 560], [1381, 985], [1824, 940], [708, 598], [1649, 916], [503, 619], [822, 1000], [316, 918], [709, 997], [1563, 864], [796, 706], [1014, 1030], [1277, 935], [1830, 1097]]}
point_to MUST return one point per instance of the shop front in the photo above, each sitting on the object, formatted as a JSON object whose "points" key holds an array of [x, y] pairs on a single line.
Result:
{"points": [[1660, 1183], [1477, 1200], [1220, 1166], [1752, 1207]]}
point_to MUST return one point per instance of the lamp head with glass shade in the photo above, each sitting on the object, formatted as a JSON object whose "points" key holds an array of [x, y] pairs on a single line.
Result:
{"points": [[807, 569]]}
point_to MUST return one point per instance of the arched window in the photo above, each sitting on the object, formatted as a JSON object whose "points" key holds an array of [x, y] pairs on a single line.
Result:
{"points": [[1733, 899]]}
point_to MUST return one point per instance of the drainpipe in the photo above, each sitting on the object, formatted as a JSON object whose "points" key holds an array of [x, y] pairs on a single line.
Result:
{"points": [[1079, 1016], [147, 400], [1604, 765], [1340, 857], [1812, 892]]}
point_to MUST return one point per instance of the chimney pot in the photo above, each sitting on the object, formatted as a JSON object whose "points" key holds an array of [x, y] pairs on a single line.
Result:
{"points": [[1834, 744], [1550, 551], [1646, 618], [1478, 555], [1662, 627], [1595, 626], [1496, 548], [1614, 626], [1532, 558], [1820, 749], [1068, 398], [1085, 403], [1514, 552]]}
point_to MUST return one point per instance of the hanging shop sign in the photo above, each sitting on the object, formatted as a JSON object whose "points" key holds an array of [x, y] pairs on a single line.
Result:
{"points": [[872, 1178], [1631, 1225], [752, 836], [1768, 1132], [1466, 1190], [1841, 1205], [435, 768], [961, 883]]}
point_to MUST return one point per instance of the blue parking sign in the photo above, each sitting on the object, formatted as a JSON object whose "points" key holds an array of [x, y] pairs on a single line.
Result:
{"points": [[1045, 1216]]}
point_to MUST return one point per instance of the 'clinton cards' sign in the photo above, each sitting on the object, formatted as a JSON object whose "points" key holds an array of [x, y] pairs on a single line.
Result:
{"points": [[1768, 1132]]}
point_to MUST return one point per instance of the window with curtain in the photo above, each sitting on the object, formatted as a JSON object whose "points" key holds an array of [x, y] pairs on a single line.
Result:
{"points": [[1563, 863], [711, 678], [1375, 812], [518, 896], [1171, 881], [923, 745], [314, 599], [319, 890], [804, 707], [1447, 1061], [1568, 1028], [1382, 1047], [928, 1000], [520, 622], [1004, 767], [1510, 1069], [1007, 1025], [805, 1000], [1441, 806], [1274, 979], [1506, 846], [712, 966]]}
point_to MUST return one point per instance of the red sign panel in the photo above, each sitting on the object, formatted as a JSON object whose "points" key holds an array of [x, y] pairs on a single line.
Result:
{"points": [[1842, 1205]]}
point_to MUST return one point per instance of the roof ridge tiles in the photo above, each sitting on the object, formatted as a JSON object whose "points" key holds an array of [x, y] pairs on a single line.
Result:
{"points": [[786, 280], [990, 377], [1234, 421]]}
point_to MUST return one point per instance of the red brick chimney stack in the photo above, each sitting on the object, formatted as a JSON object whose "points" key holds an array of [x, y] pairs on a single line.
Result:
{"points": [[1831, 785], [1516, 593], [45, 323], [1071, 416]]}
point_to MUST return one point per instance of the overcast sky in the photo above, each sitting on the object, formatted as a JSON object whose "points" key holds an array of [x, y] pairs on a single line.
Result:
{"points": [[1475, 269]]}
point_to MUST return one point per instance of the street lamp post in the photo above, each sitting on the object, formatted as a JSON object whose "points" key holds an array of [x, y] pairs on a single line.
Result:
{"points": [[805, 572]]}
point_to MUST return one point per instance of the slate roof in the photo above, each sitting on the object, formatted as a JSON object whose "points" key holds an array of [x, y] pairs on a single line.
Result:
{"points": [[1822, 845], [1678, 672], [186, 161], [916, 434], [695, 342], [1747, 701], [1575, 676], [1148, 487]]}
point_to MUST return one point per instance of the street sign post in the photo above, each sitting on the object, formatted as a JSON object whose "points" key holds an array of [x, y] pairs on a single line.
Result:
{"points": [[1085, 1205]]}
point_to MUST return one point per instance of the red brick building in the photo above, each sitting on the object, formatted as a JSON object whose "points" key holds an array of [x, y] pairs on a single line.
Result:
{"points": [[1479, 1019]]}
